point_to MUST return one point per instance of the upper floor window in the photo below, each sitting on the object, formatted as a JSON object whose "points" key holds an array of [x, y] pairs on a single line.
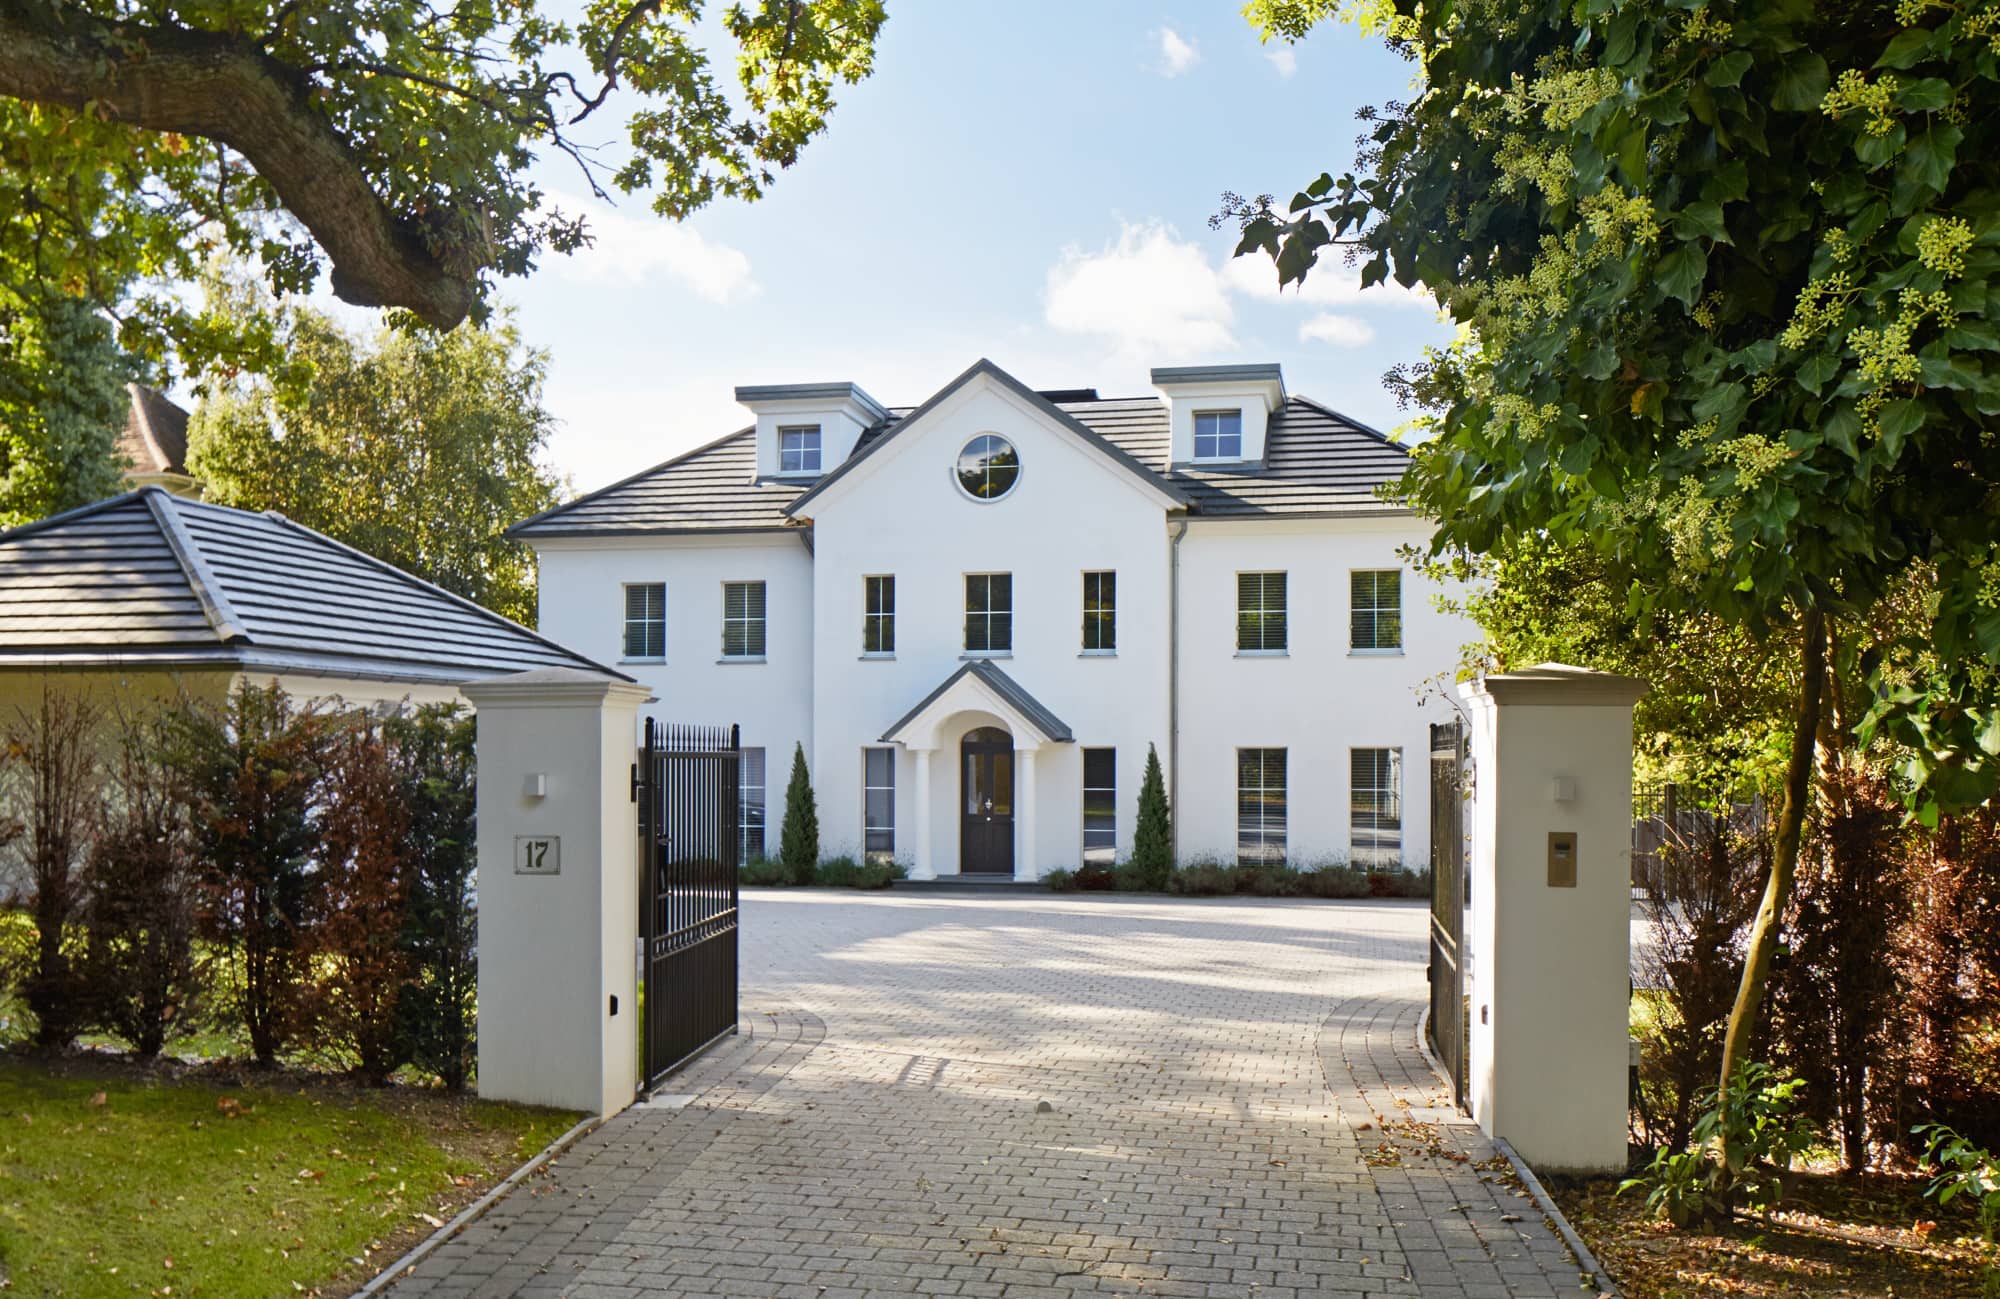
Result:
{"points": [[743, 620], [989, 613], [878, 619], [1218, 435], [1378, 609], [645, 620], [798, 449], [1260, 613], [1100, 613], [988, 467]]}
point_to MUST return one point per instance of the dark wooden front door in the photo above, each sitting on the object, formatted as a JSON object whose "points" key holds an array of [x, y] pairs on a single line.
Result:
{"points": [[986, 805]]}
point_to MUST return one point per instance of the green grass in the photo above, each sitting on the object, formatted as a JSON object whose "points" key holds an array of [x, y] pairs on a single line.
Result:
{"points": [[159, 1189]]}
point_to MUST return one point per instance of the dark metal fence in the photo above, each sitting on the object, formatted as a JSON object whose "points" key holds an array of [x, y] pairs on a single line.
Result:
{"points": [[1450, 895], [689, 784], [1667, 815]]}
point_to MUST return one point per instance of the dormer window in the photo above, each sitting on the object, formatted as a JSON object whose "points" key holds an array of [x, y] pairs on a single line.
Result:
{"points": [[1218, 435], [798, 449]]}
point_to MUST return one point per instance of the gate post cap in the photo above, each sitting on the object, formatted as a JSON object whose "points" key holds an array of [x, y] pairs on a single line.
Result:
{"points": [[555, 687], [1557, 683]]}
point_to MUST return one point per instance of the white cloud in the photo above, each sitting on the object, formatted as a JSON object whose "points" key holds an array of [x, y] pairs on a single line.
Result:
{"points": [[1284, 58], [1339, 330], [1147, 292], [631, 247], [1177, 53], [1331, 283]]}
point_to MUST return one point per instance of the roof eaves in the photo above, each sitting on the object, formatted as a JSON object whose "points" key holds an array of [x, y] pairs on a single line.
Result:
{"points": [[214, 600], [533, 520]]}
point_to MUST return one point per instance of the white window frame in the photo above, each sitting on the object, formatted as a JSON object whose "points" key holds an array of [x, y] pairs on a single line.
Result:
{"points": [[989, 613], [1378, 838], [759, 621], [1108, 608], [1218, 435], [881, 621], [1265, 608], [1374, 609], [869, 853], [807, 452], [1109, 851], [1262, 828], [643, 623], [744, 788]]}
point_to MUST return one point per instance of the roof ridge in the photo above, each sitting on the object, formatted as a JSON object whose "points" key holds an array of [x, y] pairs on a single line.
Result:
{"points": [[435, 589], [208, 591], [628, 480], [73, 513]]}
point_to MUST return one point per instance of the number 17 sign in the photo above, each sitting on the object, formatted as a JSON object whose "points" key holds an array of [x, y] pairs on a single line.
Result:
{"points": [[537, 855]]}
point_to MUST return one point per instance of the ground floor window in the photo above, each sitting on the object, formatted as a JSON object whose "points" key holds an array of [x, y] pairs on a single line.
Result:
{"points": [[750, 806], [1377, 808], [1100, 806], [878, 804], [1260, 805]]}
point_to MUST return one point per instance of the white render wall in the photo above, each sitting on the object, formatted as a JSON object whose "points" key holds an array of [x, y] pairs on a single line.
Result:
{"points": [[582, 605], [1319, 700]]}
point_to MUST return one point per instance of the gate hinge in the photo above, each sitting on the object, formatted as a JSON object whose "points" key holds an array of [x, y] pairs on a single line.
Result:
{"points": [[635, 782]]}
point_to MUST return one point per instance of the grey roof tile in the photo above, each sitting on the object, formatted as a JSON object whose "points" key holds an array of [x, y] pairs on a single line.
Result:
{"points": [[1316, 462], [153, 578], [1053, 728]]}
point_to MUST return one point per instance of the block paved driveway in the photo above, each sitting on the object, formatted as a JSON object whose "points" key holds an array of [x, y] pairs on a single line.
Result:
{"points": [[1235, 1106]]}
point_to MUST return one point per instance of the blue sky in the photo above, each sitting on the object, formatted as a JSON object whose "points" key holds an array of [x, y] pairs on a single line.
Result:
{"points": [[1028, 181]]}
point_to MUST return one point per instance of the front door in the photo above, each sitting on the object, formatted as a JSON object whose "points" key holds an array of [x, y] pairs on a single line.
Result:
{"points": [[986, 826]]}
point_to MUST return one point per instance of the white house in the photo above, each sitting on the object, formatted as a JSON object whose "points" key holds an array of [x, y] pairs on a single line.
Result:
{"points": [[977, 614]]}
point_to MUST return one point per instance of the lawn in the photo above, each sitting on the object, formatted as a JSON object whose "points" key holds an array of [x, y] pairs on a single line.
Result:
{"points": [[120, 1180]]}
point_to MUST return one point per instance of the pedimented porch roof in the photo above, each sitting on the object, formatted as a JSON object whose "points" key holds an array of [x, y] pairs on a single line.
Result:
{"points": [[979, 686]]}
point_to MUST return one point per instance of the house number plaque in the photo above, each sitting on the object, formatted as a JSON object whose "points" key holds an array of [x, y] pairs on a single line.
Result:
{"points": [[537, 855]]}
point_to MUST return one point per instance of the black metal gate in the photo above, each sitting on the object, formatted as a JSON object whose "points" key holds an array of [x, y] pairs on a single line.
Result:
{"points": [[689, 781], [1450, 894]]}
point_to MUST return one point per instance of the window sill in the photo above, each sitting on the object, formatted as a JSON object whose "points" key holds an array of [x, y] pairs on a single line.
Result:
{"points": [[741, 658], [647, 660], [1098, 654], [1375, 653], [970, 655], [1263, 654], [877, 657]]}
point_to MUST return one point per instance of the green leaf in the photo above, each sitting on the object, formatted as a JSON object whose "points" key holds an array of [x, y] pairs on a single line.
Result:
{"points": [[1681, 271], [1702, 218], [1925, 96], [1729, 69], [1899, 420], [1906, 49], [1931, 156], [1816, 370], [1802, 85], [1877, 149]]}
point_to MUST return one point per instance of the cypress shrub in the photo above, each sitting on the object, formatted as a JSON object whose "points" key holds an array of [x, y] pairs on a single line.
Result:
{"points": [[432, 749], [1152, 860], [798, 842]]}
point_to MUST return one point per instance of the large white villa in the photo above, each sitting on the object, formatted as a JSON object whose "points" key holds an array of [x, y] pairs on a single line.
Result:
{"points": [[977, 614]]}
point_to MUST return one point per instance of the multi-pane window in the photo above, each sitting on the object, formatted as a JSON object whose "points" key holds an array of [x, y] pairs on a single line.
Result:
{"points": [[750, 806], [878, 804], [1218, 435], [1378, 609], [989, 613], [1260, 805], [1100, 613], [878, 618], [1260, 613], [1377, 813], [798, 449], [1100, 806], [743, 620], [645, 620]]}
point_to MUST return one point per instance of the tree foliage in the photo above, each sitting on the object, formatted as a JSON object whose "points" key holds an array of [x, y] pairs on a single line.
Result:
{"points": [[798, 839], [418, 448], [1153, 833], [432, 747], [392, 140]]}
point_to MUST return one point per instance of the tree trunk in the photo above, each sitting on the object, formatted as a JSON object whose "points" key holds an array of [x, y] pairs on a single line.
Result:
{"points": [[1785, 852]]}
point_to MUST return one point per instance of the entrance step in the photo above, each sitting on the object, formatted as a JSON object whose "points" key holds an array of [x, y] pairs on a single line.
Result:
{"points": [[970, 883]]}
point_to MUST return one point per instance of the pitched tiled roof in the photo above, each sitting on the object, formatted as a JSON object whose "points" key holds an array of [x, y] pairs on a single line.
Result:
{"points": [[155, 439], [1053, 728], [1316, 461], [149, 578]]}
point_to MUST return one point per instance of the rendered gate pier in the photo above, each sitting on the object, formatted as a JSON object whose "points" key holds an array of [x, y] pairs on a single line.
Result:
{"points": [[1449, 895], [688, 784]]}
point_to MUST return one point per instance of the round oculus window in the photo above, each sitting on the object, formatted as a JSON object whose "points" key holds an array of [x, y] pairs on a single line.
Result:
{"points": [[989, 467]]}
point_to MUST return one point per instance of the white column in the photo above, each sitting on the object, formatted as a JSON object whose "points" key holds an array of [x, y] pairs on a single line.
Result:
{"points": [[558, 889], [1548, 942], [924, 868], [1027, 862]]}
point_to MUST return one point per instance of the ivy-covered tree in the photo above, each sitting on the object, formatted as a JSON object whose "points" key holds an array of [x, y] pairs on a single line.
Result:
{"points": [[1152, 857], [1728, 279], [420, 448], [798, 839]]}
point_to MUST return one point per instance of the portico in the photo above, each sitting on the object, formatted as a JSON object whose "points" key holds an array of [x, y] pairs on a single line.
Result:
{"points": [[982, 821]]}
